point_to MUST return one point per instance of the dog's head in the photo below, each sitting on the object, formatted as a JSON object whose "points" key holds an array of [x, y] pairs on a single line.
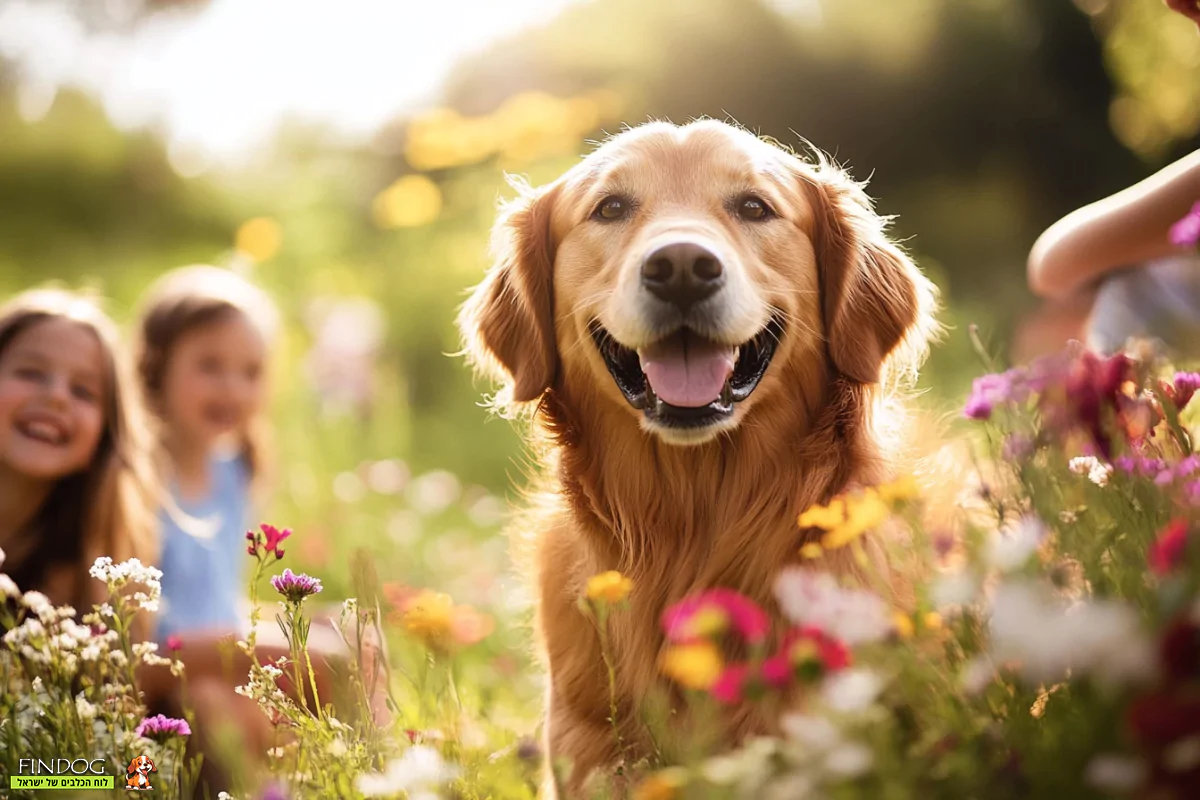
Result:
{"points": [[141, 765], [686, 273]]}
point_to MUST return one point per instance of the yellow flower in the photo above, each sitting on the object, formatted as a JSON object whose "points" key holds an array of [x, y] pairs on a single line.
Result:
{"points": [[259, 238], [864, 513], [410, 202], [826, 517], [662, 785], [610, 587], [812, 550], [903, 489], [933, 620], [430, 617], [904, 625], [696, 666]]}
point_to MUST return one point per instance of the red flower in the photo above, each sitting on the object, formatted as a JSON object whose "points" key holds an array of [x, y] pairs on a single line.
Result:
{"points": [[274, 538], [806, 653], [174, 643], [1169, 548]]}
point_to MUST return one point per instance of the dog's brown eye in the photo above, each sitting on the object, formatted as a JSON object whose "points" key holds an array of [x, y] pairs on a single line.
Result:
{"points": [[752, 208], [612, 209]]}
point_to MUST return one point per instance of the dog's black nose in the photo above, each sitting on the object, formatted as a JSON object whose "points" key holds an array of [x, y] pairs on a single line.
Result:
{"points": [[682, 274]]}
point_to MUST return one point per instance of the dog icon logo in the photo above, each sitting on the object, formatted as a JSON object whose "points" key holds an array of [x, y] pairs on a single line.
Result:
{"points": [[137, 774]]}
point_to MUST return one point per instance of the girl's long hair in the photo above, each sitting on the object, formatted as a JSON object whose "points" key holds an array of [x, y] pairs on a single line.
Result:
{"points": [[108, 509]]}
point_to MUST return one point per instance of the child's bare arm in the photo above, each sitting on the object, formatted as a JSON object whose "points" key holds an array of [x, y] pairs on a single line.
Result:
{"points": [[1125, 229]]}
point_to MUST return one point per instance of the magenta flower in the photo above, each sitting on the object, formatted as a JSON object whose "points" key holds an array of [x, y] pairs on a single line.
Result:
{"points": [[1183, 388], [732, 684], [713, 612], [267, 542], [295, 587], [174, 643], [161, 728], [1186, 232]]}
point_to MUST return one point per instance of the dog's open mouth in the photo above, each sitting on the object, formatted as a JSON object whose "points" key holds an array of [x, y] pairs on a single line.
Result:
{"points": [[686, 380]]}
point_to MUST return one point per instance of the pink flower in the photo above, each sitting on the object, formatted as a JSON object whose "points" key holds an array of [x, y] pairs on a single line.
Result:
{"points": [[731, 685], [1169, 548], [174, 643], [711, 613], [268, 541], [1186, 232], [160, 727], [1183, 388]]}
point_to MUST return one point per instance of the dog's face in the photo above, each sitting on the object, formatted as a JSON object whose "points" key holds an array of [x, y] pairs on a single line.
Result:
{"points": [[677, 268], [142, 765]]}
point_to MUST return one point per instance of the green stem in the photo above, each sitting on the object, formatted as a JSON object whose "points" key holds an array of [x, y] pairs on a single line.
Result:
{"points": [[602, 629]]}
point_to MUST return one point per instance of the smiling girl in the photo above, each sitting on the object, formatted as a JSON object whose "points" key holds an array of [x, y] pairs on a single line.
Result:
{"points": [[201, 355], [75, 482]]}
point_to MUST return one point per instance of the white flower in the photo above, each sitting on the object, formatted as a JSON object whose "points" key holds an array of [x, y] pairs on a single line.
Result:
{"points": [[1096, 470], [37, 686], [8, 588], [141, 649], [91, 652], [953, 589], [976, 675], [118, 657], [225, 796], [86, 710], [814, 733], [1116, 774], [336, 748], [808, 597], [39, 604], [419, 771], [851, 690], [1183, 755], [849, 760], [106, 611], [1101, 636], [795, 786], [1010, 548]]}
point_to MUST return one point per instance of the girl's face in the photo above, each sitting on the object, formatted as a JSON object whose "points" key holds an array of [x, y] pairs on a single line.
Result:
{"points": [[214, 380], [52, 390]]}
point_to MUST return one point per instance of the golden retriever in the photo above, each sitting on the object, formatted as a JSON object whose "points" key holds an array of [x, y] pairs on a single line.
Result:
{"points": [[702, 322]]}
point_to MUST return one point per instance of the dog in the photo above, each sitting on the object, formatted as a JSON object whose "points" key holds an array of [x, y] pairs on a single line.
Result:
{"points": [[706, 328], [137, 773]]}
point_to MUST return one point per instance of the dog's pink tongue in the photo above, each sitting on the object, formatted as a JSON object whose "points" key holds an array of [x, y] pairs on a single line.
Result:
{"points": [[690, 372]]}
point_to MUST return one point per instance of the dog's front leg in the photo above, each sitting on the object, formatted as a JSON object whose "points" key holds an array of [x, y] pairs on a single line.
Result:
{"points": [[577, 744]]}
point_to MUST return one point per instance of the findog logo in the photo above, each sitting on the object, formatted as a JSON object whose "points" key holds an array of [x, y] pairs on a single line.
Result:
{"points": [[137, 774]]}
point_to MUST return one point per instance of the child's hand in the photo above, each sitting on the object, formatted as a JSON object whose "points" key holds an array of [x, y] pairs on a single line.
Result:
{"points": [[1189, 8]]}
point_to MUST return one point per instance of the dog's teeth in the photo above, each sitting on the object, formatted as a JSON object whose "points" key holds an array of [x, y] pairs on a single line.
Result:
{"points": [[651, 397], [660, 407], [727, 394]]}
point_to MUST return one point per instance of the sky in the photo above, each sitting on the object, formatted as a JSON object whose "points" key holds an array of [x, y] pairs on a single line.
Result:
{"points": [[218, 83]]}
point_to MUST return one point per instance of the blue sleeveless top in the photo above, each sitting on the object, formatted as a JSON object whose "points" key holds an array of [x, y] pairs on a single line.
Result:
{"points": [[204, 562], [1159, 299]]}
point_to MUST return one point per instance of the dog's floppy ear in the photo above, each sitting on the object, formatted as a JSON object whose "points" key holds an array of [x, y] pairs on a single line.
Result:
{"points": [[153, 766], [508, 322], [873, 296], [132, 768]]}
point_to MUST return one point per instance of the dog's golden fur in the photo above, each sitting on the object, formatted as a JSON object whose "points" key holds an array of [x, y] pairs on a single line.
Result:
{"points": [[718, 509]]}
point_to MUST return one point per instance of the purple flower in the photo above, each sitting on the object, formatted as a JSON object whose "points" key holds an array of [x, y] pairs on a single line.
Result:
{"points": [[1186, 232], [273, 792], [1017, 447], [160, 727], [988, 391], [1184, 387], [295, 587]]}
